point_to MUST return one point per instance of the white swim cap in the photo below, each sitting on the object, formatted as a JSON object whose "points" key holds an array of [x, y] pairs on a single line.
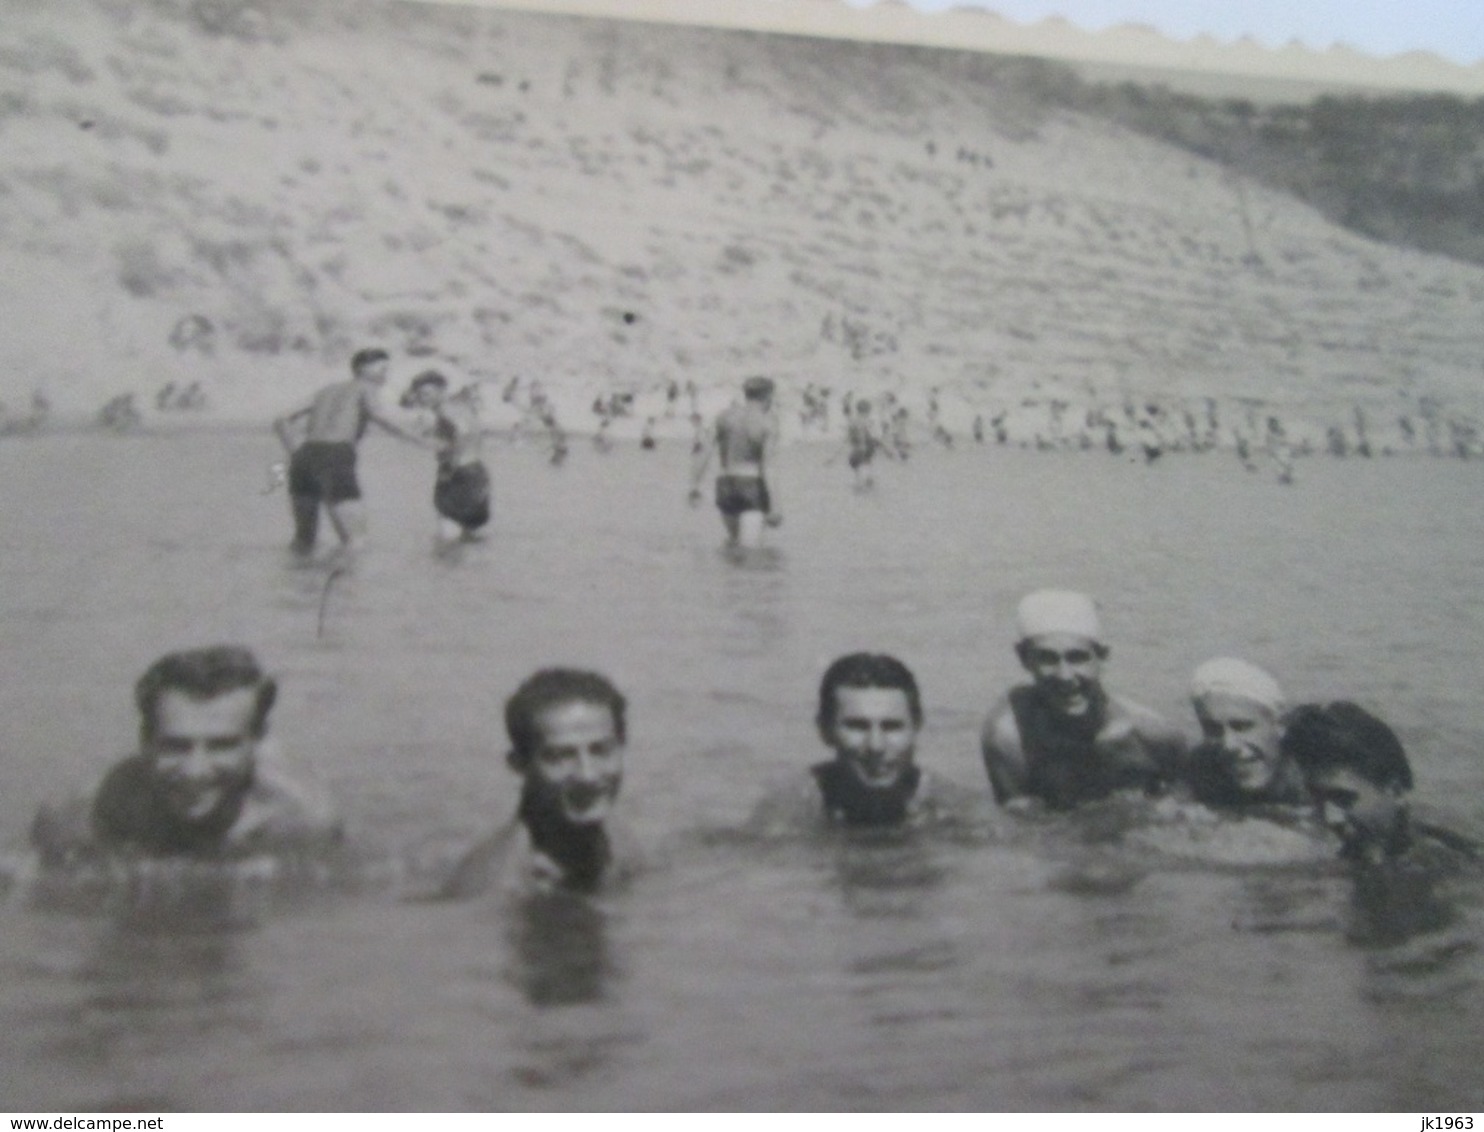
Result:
{"points": [[1231, 677], [1058, 611]]}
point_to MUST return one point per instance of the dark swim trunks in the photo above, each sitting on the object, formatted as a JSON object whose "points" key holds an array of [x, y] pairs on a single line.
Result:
{"points": [[463, 495], [324, 470], [736, 494]]}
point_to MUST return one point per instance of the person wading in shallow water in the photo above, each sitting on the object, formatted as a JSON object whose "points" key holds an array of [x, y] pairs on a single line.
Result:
{"points": [[202, 784], [1063, 738], [322, 467], [862, 443], [746, 441], [567, 731], [461, 493]]}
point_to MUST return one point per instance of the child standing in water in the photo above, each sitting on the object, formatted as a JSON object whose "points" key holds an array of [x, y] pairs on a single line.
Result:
{"points": [[461, 493]]}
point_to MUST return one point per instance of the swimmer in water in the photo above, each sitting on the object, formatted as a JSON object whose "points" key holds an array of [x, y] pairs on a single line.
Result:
{"points": [[203, 784], [746, 441], [1358, 777], [1063, 738], [322, 467], [870, 712], [1241, 760], [567, 733], [461, 493], [869, 716], [1402, 867]]}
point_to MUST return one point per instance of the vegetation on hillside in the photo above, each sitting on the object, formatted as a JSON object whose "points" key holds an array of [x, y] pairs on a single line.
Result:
{"points": [[1407, 169]]}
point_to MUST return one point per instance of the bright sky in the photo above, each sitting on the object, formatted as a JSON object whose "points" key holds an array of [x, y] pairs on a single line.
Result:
{"points": [[1453, 29]]}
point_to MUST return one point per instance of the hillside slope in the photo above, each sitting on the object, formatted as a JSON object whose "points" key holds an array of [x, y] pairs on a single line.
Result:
{"points": [[239, 194]]}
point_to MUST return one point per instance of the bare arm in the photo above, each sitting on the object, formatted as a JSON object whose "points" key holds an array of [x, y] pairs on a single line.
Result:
{"points": [[699, 464], [283, 430], [386, 424], [770, 450], [1004, 755]]}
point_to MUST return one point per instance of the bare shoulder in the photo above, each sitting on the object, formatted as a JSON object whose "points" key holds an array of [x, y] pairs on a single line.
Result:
{"points": [[787, 808], [1146, 721], [1000, 735], [481, 868], [288, 806], [1003, 749]]}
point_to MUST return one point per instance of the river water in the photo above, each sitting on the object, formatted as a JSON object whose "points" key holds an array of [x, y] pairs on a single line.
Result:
{"points": [[1045, 967]]}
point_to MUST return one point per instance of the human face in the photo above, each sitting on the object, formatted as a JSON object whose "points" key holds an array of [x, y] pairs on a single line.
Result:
{"points": [[874, 733], [1246, 736], [1067, 669], [203, 751], [374, 372], [1363, 814], [428, 396], [579, 764]]}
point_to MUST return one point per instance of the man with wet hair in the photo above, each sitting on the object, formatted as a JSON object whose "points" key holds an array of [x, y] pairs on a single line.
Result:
{"points": [[1358, 776], [200, 785], [568, 730], [746, 441], [322, 466], [1063, 738], [1241, 759], [869, 715], [1404, 867]]}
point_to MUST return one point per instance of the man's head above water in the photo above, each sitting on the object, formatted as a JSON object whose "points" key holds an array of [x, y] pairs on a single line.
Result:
{"points": [[870, 712], [1060, 644], [1358, 775], [567, 732], [202, 713], [1241, 710]]}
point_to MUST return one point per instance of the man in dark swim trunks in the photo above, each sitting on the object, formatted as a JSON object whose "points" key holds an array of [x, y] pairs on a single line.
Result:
{"points": [[1063, 738], [204, 784], [567, 732], [1240, 760], [746, 440], [322, 468], [461, 493]]}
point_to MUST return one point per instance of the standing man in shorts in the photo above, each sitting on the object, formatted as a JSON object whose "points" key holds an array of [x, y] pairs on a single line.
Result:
{"points": [[322, 467], [746, 441]]}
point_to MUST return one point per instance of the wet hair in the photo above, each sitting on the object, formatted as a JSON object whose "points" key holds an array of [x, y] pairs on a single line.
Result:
{"points": [[758, 388], [369, 356], [1343, 735], [546, 689], [866, 670], [203, 674]]}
